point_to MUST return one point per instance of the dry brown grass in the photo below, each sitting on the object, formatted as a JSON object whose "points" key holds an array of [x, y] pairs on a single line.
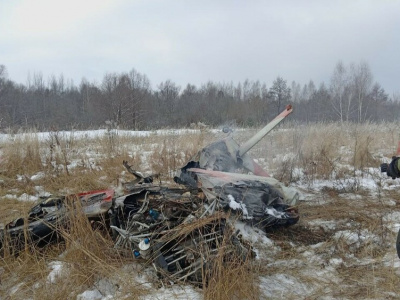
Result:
{"points": [[22, 155], [87, 257], [323, 151], [231, 278]]}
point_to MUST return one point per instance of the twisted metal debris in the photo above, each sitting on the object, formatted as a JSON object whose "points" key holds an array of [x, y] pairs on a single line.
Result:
{"points": [[180, 231]]}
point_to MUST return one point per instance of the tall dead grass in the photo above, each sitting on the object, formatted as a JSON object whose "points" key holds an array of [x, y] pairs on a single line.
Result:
{"points": [[22, 155], [85, 254], [232, 277], [329, 151]]}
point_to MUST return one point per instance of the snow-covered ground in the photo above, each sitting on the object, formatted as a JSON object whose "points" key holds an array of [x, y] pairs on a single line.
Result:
{"points": [[342, 248]]}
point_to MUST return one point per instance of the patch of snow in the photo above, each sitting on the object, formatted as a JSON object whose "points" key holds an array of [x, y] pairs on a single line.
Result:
{"points": [[312, 257], [350, 196], [38, 176], [90, 295], [335, 261], [318, 245], [394, 227], [181, 292], [350, 237], [143, 277], [324, 224], [26, 197], [239, 206], [56, 271], [273, 212], [106, 287], [288, 263], [323, 278], [389, 202], [391, 260], [252, 234], [346, 184], [354, 239], [41, 192], [283, 286], [298, 172], [368, 183], [233, 204], [15, 288], [392, 217]]}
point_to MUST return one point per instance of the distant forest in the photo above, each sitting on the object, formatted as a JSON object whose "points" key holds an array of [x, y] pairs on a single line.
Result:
{"points": [[127, 100]]}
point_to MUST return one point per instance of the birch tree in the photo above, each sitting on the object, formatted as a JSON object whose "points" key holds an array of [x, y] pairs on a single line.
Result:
{"points": [[339, 82], [361, 78]]}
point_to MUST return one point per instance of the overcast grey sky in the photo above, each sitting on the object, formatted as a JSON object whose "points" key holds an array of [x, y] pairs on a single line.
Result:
{"points": [[196, 41]]}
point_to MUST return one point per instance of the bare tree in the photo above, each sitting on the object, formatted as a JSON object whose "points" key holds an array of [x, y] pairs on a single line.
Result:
{"points": [[361, 81], [3, 78], [280, 93], [339, 82], [139, 88], [238, 92], [396, 97], [296, 92], [167, 94], [3, 72], [112, 101], [378, 100]]}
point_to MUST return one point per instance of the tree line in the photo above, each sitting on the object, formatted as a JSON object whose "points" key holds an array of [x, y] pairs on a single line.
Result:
{"points": [[128, 101]]}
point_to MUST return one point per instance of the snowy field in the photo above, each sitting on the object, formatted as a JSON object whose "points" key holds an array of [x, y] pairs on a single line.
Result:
{"points": [[343, 247]]}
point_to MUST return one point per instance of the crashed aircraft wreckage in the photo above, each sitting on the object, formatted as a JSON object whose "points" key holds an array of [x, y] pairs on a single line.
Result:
{"points": [[179, 231]]}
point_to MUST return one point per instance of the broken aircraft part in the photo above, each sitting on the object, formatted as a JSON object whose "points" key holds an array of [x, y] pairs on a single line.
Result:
{"points": [[50, 214], [181, 230], [172, 230], [153, 217]]}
